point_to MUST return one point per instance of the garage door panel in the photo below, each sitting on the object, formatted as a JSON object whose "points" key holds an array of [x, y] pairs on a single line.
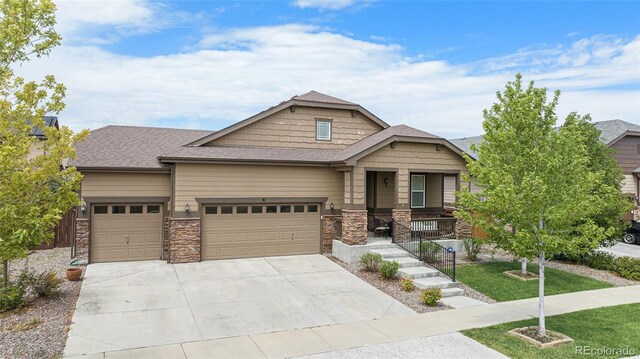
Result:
{"points": [[117, 237], [258, 233]]}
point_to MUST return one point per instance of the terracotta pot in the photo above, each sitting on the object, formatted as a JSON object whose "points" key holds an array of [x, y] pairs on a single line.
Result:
{"points": [[74, 274]]}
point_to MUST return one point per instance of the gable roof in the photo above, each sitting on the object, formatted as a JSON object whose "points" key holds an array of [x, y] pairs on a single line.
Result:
{"points": [[49, 121], [130, 147], [610, 132], [310, 99], [347, 155]]}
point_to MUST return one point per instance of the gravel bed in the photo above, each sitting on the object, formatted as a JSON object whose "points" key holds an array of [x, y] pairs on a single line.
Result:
{"points": [[39, 330], [392, 288]]}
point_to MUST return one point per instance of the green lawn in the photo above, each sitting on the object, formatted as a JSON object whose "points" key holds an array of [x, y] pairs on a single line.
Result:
{"points": [[489, 279], [611, 327]]}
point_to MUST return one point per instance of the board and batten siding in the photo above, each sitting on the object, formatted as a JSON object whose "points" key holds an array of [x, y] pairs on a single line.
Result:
{"points": [[227, 181], [126, 185], [406, 157], [298, 130], [385, 193], [434, 190]]}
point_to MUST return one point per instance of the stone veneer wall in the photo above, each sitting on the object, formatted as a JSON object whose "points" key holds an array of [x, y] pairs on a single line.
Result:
{"points": [[165, 239], [354, 226], [82, 239], [184, 240], [401, 223], [328, 231], [463, 229]]}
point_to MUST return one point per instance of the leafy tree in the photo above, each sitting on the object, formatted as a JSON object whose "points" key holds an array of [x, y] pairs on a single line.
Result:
{"points": [[543, 190], [35, 190]]}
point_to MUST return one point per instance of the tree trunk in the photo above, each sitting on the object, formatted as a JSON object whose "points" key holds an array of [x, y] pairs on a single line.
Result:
{"points": [[523, 267], [541, 325], [5, 273]]}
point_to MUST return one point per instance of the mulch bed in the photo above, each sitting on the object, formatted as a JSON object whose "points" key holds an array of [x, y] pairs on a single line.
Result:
{"points": [[392, 288], [39, 330]]}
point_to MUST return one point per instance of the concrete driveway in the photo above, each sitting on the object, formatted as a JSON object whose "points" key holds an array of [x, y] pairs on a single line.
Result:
{"points": [[142, 304], [624, 250]]}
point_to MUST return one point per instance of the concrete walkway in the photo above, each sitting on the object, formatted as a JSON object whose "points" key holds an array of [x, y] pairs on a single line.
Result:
{"points": [[330, 338]]}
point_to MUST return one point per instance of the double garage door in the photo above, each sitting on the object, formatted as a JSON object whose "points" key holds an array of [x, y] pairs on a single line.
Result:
{"points": [[245, 230], [126, 232]]}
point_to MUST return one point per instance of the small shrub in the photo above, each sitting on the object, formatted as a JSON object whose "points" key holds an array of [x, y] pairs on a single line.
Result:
{"points": [[46, 285], [389, 269], [370, 261], [22, 326], [600, 260], [431, 252], [472, 247], [11, 297], [407, 284], [628, 267], [430, 296]]}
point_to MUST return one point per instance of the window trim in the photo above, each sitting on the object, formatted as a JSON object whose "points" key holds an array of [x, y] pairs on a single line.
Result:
{"points": [[324, 120], [423, 190]]}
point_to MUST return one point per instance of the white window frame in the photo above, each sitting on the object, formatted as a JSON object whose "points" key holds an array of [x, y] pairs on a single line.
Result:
{"points": [[423, 190], [328, 123]]}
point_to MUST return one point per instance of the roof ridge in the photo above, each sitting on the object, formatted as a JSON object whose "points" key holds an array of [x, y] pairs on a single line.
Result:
{"points": [[154, 128]]}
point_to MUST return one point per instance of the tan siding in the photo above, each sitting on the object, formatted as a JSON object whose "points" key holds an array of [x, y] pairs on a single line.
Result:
{"points": [[126, 185], [208, 180], [630, 184], [627, 153], [298, 130], [347, 187], [449, 189], [385, 194], [434, 190], [415, 157]]}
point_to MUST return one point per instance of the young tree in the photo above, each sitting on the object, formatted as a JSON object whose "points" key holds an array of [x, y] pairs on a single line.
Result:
{"points": [[35, 189], [543, 190]]}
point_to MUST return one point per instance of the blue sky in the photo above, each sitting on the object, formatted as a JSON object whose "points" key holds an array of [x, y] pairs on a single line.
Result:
{"points": [[431, 65]]}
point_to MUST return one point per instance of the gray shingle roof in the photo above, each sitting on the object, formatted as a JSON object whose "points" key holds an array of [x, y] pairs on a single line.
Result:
{"points": [[610, 130], [131, 147], [320, 97]]}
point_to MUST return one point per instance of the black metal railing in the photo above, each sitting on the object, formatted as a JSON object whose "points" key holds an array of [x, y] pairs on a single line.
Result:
{"points": [[425, 249], [338, 228], [434, 227]]}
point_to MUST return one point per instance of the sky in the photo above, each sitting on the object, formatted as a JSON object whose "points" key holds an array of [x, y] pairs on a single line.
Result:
{"points": [[431, 65]]}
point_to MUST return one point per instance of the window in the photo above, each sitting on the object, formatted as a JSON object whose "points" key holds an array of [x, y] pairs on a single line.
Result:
{"points": [[312, 208], [226, 209], [242, 209], [256, 209], [135, 209], [100, 209], [285, 209], [272, 209], [417, 191], [119, 209], [298, 209], [211, 210], [153, 209], [323, 130]]}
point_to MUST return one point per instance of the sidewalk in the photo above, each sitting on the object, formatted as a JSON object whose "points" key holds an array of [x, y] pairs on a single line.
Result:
{"points": [[351, 335]]}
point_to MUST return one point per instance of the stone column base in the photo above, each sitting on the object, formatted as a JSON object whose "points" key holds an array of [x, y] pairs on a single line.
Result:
{"points": [[401, 223], [82, 239], [328, 232], [463, 229], [184, 240], [354, 226]]}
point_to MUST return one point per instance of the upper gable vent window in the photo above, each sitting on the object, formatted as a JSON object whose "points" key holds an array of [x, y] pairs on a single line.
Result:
{"points": [[323, 130]]}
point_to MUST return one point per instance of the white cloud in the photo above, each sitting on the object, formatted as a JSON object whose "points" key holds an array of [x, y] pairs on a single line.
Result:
{"points": [[323, 4], [239, 72]]}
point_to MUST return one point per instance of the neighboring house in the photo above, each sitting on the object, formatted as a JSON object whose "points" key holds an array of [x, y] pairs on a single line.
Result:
{"points": [[277, 183], [622, 136], [36, 148]]}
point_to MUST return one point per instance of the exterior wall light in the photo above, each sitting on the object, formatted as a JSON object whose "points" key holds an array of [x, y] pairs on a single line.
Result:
{"points": [[83, 208], [386, 182], [331, 206], [186, 208]]}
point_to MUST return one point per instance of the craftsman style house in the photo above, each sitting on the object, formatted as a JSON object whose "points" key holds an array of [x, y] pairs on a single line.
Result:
{"points": [[288, 180]]}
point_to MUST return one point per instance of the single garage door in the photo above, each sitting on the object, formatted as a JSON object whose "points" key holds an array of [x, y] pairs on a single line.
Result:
{"points": [[125, 232], [242, 231]]}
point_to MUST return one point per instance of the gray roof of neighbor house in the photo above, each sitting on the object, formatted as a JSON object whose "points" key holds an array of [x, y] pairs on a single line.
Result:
{"points": [[49, 121], [611, 131], [315, 96], [271, 154], [130, 147]]}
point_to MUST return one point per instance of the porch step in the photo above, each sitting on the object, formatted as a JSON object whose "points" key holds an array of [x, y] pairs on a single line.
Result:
{"points": [[434, 282], [391, 253], [418, 272], [381, 245], [408, 262], [451, 292]]}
